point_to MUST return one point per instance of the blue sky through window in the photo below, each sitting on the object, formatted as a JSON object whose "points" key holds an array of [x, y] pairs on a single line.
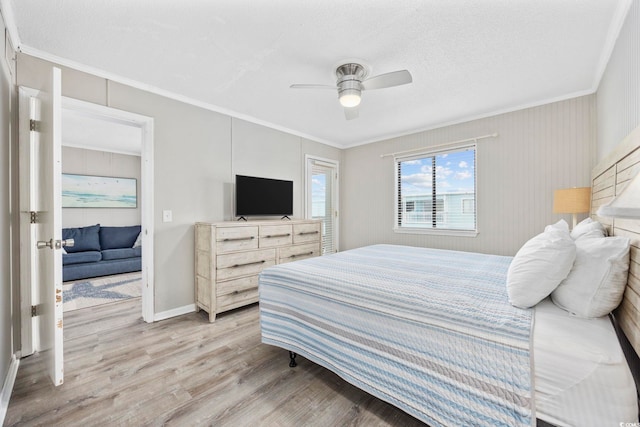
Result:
{"points": [[318, 195], [455, 173]]}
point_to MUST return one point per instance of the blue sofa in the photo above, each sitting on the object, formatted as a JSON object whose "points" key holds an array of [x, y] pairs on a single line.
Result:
{"points": [[101, 251]]}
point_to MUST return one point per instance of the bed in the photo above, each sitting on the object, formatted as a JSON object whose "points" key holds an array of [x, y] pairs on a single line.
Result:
{"points": [[432, 332]]}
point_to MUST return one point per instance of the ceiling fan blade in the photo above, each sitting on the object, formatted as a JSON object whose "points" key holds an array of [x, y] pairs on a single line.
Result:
{"points": [[351, 113], [304, 86], [394, 78]]}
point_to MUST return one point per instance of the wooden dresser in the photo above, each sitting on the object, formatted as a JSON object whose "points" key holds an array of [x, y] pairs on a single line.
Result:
{"points": [[230, 255]]}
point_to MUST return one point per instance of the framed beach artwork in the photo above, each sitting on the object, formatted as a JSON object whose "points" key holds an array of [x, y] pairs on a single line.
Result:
{"points": [[87, 191]]}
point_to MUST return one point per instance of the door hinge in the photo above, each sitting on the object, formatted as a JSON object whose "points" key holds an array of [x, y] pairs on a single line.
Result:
{"points": [[34, 217], [34, 310], [33, 125]]}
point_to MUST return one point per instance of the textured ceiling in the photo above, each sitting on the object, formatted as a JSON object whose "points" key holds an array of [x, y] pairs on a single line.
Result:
{"points": [[468, 58]]}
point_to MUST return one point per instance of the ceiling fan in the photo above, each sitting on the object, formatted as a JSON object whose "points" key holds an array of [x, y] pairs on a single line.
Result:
{"points": [[351, 81]]}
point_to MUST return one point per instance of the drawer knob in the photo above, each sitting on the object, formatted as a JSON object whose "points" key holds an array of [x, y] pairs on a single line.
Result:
{"points": [[304, 233]]}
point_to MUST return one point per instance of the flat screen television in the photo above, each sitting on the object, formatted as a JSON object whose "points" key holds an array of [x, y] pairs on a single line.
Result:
{"points": [[257, 196]]}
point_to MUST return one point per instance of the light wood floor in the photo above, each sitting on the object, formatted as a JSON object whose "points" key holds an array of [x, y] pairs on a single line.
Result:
{"points": [[185, 371]]}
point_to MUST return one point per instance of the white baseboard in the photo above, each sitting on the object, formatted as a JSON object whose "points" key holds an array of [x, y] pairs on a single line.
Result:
{"points": [[7, 387], [174, 312]]}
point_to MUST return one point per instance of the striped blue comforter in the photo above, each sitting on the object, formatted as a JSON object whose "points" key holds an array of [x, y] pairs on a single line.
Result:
{"points": [[429, 331]]}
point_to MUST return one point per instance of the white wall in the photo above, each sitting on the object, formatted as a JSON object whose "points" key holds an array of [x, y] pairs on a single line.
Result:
{"points": [[197, 153], [619, 91], [6, 321], [537, 151], [192, 166], [92, 162], [268, 153]]}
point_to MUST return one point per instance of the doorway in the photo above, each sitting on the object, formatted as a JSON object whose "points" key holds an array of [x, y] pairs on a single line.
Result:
{"points": [[28, 288], [106, 117], [321, 189]]}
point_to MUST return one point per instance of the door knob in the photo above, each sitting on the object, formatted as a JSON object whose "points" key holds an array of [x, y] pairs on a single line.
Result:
{"points": [[42, 244], [67, 242], [55, 244]]}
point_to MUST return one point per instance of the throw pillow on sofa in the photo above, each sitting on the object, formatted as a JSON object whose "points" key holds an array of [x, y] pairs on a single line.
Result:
{"points": [[118, 237], [85, 238]]}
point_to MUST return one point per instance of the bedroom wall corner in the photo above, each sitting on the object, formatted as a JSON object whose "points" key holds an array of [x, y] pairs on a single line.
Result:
{"points": [[618, 95], [537, 150], [196, 152]]}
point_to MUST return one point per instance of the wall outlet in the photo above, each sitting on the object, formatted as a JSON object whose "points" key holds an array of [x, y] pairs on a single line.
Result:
{"points": [[167, 216]]}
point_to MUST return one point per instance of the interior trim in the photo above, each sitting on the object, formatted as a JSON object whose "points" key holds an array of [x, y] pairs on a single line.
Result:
{"points": [[7, 387]]}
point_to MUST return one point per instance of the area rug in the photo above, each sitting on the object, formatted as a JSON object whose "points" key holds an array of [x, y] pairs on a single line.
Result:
{"points": [[100, 290]]}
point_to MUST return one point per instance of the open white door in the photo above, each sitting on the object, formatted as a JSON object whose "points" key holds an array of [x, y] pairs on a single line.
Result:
{"points": [[41, 221]]}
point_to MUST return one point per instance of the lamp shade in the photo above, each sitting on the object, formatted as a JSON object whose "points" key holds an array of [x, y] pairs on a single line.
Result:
{"points": [[626, 204], [572, 200]]}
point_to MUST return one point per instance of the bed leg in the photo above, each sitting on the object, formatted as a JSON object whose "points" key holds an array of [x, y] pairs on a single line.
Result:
{"points": [[292, 359]]}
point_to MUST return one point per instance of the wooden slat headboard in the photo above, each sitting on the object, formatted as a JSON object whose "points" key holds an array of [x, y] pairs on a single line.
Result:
{"points": [[609, 178]]}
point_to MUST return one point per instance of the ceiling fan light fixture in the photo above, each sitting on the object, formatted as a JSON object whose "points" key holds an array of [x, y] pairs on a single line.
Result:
{"points": [[350, 98], [351, 80]]}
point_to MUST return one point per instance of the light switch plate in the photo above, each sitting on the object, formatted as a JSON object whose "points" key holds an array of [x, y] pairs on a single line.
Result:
{"points": [[167, 216]]}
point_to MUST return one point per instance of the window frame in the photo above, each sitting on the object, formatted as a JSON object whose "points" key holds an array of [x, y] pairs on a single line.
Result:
{"points": [[310, 161], [428, 230]]}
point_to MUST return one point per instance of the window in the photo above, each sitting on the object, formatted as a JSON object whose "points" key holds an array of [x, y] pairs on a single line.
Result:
{"points": [[437, 191]]}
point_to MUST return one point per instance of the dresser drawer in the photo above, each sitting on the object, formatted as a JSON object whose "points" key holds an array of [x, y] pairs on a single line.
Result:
{"points": [[230, 239], [306, 232], [237, 299], [298, 252], [275, 235], [230, 266], [237, 285]]}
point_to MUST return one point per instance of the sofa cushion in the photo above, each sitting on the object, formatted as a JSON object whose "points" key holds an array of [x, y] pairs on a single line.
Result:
{"points": [[85, 238], [81, 257], [118, 237], [121, 253], [102, 268]]}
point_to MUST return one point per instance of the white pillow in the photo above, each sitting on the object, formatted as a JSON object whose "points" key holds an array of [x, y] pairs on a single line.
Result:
{"points": [[539, 266], [138, 241], [598, 278], [588, 226], [558, 226]]}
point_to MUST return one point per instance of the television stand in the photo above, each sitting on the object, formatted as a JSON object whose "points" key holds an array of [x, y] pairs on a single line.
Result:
{"points": [[286, 216]]}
